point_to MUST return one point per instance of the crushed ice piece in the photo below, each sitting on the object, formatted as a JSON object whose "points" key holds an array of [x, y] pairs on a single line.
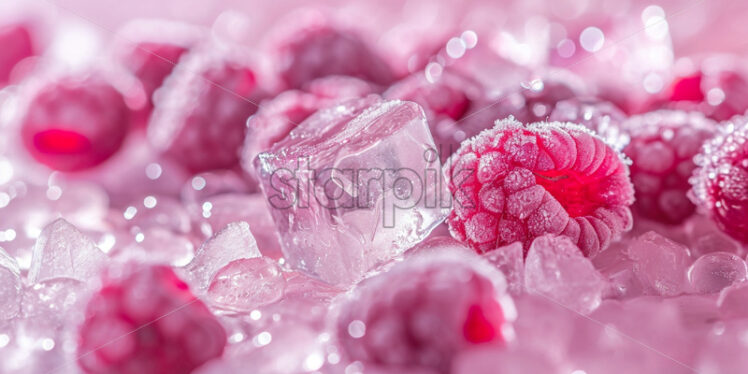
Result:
{"points": [[556, 269], [233, 242], [510, 261], [733, 301], [10, 286], [660, 263], [246, 284], [61, 251], [714, 271]]}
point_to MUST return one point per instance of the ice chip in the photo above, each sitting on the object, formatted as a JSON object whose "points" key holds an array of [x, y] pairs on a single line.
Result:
{"points": [[660, 263], [557, 269], [733, 301], [714, 271], [246, 284], [510, 261], [61, 251], [10, 286], [233, 242], [353, 186]]}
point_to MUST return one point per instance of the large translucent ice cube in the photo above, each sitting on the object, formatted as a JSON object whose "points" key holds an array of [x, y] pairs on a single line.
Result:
{"points": [[353, 186]]}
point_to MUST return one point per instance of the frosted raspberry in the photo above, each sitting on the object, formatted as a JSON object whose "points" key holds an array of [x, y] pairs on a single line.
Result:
{"points": [[717, 87], [720, 184], [662, 147], [312, 47], [74, 122], [277, 117], [515, 183], [200, 120], [17, 44], [602, 117], [424, 311], [535, 99], [149, 49], [147, 322]]}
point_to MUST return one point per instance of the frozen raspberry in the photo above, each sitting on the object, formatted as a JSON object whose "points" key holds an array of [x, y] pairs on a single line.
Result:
{"points": [[515, 183], [277, 117], [313, 48], [74, 122], [535, 99], [602, 117], [720, 184], [149, 49], [17, 44], [445, 100], [717, 87], [147, 321], [200, 120], [424, 311], [662, 146]]}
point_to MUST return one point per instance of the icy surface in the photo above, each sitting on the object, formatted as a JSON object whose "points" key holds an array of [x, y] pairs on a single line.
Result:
{"points": [[64, 252], [714, 271], [510, 261], [245, 284], [353, 186], [10, 286]]}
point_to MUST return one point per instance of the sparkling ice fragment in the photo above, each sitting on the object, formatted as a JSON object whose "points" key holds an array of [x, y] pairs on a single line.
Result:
{"points": [[61, 251], [660, 263], [353, 186], [556, 269]]}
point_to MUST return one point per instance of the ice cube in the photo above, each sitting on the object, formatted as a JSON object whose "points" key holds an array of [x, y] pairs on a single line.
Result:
{"points": [[557, 269], [353, 186], [509, 260], [61, 251], [733, 301], [714, 271], [660, 263], [233, 242], [10, 286], [246, 284]]}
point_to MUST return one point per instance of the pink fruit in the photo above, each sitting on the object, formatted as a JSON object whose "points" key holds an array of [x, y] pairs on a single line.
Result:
{"points": [[720, 184], [390, 321], [150, 49], [313, 47], [446, 100], [74, 122], [277, 117], [200, 120], [602, 117], [17, 44], [516, 182], [662, 147], [147, 321], [717, 86]]}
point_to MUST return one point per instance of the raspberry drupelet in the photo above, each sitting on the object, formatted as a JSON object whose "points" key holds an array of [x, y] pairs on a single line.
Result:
{"points": [[424, 311], [662, 146], [720, 183], [73, 123], [515, 182], [147, 322]]}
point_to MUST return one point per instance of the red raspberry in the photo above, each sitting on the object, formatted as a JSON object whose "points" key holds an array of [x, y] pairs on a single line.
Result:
{"points": [[717, 87], [720, 184], [149, 49], [313, 48], [201, 118], [17, 44], [515, 183], [74, 122], [424, 311], [602, 117], [147, 322], [277, 117], [662, 147], [445, 101]]}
